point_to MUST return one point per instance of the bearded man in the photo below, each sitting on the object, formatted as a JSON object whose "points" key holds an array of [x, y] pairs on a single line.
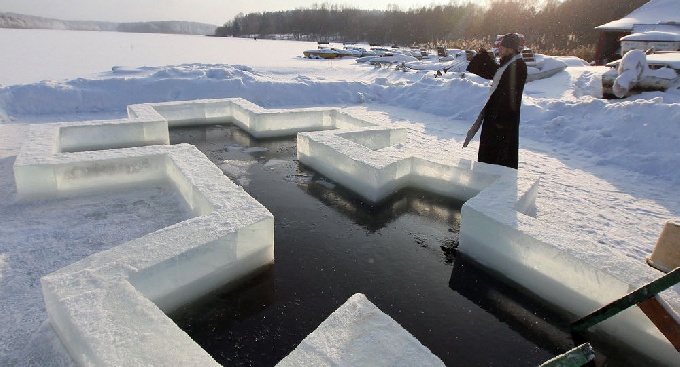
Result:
{"points": [[499, 119]]}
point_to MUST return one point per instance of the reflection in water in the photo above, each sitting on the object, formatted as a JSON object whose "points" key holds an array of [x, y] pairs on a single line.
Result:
{"points": [[221, 309], [225, 142], [521, 313], [225, 135], [376, 216], [531, 318]]}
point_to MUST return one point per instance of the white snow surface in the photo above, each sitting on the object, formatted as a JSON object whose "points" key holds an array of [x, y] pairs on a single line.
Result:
{"points": [[608, 167]]}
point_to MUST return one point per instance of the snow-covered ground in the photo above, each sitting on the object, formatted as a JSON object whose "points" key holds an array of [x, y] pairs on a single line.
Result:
{"points": [[609, 167]]}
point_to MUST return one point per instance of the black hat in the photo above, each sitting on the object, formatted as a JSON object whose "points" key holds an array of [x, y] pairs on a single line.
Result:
{"points": [[511, 40]]}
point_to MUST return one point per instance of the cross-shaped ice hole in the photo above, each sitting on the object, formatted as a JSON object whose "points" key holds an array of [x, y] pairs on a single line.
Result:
{"points": [[496, 230]]}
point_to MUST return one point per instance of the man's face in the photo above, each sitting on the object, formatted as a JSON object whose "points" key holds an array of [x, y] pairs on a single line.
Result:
{"points": [[505, 51]]}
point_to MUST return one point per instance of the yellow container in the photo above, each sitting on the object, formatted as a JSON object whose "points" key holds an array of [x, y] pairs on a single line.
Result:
{"points": [[666, 254]]}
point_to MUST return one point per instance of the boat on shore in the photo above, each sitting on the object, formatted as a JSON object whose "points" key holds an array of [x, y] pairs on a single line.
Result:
{"points": [[538, 66], [324, 51], [321, 53], [541, 66], [650, 62], [657, 71]]}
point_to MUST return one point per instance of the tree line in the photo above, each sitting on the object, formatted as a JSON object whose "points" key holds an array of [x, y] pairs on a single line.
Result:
{"points": [[23, 21], [558, 27]]}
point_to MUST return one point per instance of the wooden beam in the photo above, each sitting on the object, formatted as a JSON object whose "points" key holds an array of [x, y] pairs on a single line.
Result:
{"points": [[665, 322]]}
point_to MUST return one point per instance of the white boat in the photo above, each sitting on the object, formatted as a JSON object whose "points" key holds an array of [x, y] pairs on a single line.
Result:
{"points": [[384, 56], [392, 59], [538, 66], [651, 62], [326, 52], [452, 60], [541, 66], [660, 72], [358, 51], [343, 52]]}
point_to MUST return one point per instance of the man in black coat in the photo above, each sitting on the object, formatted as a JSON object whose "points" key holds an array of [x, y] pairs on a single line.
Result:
{"points": [[499, 141]]}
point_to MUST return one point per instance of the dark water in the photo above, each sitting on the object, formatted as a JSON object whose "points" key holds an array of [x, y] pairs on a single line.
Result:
{"points": [[329, 245]]}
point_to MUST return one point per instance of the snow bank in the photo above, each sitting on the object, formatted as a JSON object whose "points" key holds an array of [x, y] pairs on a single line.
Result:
{"points": [[129, 86]]}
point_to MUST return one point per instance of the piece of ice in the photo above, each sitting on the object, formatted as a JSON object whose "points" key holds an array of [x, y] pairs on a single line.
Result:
{"points": [[108, 309], [359, 334]]}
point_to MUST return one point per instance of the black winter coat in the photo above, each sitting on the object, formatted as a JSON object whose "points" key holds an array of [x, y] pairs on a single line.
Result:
{"points": [[499, 140]]}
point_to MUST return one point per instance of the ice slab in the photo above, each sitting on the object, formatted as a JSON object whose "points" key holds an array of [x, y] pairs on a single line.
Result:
{"points": [[147, 124], [257, 121], [110, 308], [354, 159], [359, 334], [574, 276]]}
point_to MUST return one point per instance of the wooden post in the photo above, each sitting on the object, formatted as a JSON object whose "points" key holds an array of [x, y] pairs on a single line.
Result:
{"points": [[665, 322]]}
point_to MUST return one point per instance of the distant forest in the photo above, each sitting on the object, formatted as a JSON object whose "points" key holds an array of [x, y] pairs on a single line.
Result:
{"points": [[23, 21], [550, 26]]}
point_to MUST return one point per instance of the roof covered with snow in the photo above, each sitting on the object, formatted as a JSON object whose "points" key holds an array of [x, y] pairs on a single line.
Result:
{"points": [[653, 36], [653, 12]]}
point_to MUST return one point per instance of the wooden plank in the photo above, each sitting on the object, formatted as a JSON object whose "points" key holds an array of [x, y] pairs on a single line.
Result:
{"points": [[665, 322]]}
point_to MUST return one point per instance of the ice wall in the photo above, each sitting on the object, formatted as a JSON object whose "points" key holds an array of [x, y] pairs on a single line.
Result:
{"points": [[108, 308], [257, 121], [498, 231], [147, 124], [353, 159], [574, 276]]}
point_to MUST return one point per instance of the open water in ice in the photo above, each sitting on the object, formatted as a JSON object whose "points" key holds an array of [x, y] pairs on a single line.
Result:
{"points": [[329, 245]]}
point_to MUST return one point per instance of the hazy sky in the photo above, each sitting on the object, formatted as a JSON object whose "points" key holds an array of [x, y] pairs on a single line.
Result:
{"points": [[207, 11]]}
